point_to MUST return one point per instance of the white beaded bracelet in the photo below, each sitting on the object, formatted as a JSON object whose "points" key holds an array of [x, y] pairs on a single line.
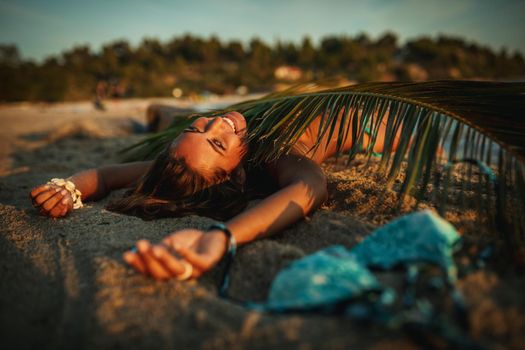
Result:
{"points": [[70, 187]]}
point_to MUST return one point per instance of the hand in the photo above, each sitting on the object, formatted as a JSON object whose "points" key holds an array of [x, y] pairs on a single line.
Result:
{"points": [[52, 200], [165, 260]]}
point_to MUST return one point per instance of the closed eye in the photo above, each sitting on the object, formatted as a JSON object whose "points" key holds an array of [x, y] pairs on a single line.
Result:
{"points": [[215, 147], [219, 144], [216, 144]]}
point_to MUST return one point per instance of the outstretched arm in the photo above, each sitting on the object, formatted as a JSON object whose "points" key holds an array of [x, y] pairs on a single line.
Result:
{"points": [[303, 189], [98, 183], [94, 184]]}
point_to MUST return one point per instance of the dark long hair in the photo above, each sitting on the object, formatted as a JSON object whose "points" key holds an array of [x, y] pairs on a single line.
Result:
{"points": [[171, 188]]}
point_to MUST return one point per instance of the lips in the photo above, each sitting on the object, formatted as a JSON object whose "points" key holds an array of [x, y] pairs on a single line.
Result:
{"points": [[238, 121], [231, 123]]}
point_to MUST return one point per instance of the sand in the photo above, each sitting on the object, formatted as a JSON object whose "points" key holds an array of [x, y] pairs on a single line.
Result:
{"points": [[63, 283]]}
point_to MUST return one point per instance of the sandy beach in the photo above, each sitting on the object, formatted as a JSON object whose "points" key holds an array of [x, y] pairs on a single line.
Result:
{"points": [[63, 283]]}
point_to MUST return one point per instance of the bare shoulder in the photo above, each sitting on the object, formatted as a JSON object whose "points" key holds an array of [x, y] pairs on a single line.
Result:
{"points": [[295, 166]]}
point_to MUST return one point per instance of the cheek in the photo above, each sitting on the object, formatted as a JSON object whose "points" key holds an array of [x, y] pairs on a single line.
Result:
{"points": [[240, 149], [234, 158]]}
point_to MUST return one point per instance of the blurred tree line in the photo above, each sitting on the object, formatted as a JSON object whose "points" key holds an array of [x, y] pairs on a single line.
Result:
{"points": [[194, 64]]}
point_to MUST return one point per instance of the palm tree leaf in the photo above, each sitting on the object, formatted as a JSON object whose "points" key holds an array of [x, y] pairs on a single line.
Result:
{"points": [[480, 105], [460, 116]]}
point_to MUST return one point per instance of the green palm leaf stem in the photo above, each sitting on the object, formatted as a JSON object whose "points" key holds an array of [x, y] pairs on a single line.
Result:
{"points": [[480, 124]]}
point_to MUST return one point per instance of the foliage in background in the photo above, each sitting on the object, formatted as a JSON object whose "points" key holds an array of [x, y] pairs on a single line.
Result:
{"points": [[195, 64]]}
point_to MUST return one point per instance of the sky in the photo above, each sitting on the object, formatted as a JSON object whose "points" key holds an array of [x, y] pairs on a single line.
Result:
{"points": [[48, 27]]}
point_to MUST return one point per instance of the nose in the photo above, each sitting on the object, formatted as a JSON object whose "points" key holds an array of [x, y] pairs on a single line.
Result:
{"points": [[215, 124]]}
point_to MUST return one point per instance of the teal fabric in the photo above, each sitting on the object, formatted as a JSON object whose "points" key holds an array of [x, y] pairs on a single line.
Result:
{"points": [[326, 277], [419, 237], [336, 274]]}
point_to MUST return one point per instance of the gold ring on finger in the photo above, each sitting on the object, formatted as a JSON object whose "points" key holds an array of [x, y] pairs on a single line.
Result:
{"points": [[188, 271]]}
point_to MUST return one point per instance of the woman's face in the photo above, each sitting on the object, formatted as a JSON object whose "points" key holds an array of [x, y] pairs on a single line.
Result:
{"points": [[211, 143]]}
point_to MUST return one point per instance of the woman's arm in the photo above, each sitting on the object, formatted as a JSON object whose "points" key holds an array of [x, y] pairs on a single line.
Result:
{"points": [[303, 189], [54, 201], [98, 183]]}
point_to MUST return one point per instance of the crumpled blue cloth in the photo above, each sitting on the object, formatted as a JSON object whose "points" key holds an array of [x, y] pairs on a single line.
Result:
{"points": [[418, 237], [336, 274], [326, 277]]}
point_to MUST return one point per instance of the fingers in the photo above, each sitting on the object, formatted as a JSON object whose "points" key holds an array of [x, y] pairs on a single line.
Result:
{"points": [[37, 190], [53, 201], [157, 262], [169, 241], [154, 267], [45, 195], [65, 206], [56, 205], [164, 261], [59, 210], [168, 260], [202, 262], [67, 201], [135, 261]]}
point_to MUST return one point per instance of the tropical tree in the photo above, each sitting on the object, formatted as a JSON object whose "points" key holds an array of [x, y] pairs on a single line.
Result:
{"points": [[478, 123]]}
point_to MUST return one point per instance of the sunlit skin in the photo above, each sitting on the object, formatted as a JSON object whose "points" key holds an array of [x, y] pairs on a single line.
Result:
{"points": [[210, 143]]}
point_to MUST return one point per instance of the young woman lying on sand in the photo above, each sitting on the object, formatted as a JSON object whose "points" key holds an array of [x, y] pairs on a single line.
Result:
{"points": [[202, 172]]}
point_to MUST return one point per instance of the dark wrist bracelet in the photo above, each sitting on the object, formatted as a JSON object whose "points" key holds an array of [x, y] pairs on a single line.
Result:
{"points": [[232, 243], [230, 253]]}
